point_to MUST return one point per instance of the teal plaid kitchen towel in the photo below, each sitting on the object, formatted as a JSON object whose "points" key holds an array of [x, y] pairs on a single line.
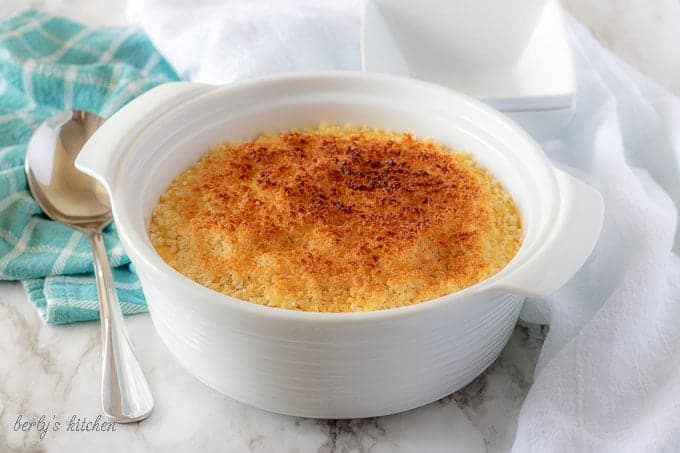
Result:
{"points": [[49, 64]]}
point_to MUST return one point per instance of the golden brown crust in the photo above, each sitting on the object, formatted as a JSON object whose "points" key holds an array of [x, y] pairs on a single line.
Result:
{"points": [[336, 219]]}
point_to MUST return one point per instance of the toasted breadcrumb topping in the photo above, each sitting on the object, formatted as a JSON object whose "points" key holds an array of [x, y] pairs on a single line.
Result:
{"points": [[336, 219]]}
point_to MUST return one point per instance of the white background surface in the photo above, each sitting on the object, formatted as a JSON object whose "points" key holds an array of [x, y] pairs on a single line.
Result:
{"points": [[645, 33], [54, 370]]}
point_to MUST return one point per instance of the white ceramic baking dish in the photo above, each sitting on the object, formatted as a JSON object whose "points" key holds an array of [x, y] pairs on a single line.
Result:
{"points": [[337, 365]]}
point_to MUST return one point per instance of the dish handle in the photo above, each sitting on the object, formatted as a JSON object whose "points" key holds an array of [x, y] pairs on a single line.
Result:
{"points": [[571, 242], [100, 156]]}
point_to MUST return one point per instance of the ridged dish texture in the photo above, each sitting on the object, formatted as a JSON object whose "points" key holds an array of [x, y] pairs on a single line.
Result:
{"points": [[336, 219]]}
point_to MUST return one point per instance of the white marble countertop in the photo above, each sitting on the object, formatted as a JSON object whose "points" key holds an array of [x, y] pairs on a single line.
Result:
{"points": [[54, 371]]}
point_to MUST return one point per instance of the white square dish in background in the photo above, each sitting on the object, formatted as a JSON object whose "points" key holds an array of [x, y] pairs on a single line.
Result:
{"points": [[533, 83]]}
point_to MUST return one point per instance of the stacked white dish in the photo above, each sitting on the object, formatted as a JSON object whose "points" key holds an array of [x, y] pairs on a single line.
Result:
{"points": [[513, 55]]}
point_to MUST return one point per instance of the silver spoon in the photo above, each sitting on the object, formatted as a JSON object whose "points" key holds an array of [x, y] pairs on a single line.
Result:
{"points": [[71, 197]]}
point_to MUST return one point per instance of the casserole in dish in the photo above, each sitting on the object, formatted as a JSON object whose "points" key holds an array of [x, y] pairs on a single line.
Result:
{"points": [[337, 365], [335, 219]]}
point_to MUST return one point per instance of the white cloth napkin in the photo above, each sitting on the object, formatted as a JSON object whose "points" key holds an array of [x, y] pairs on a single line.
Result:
{"points": [[217, 41], [608, 378]]}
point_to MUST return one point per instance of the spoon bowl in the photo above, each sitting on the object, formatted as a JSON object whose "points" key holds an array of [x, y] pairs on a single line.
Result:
{"points": [[64, 193]]}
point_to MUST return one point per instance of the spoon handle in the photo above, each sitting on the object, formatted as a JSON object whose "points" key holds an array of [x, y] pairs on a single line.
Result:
{"points": [[125, 393]]}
